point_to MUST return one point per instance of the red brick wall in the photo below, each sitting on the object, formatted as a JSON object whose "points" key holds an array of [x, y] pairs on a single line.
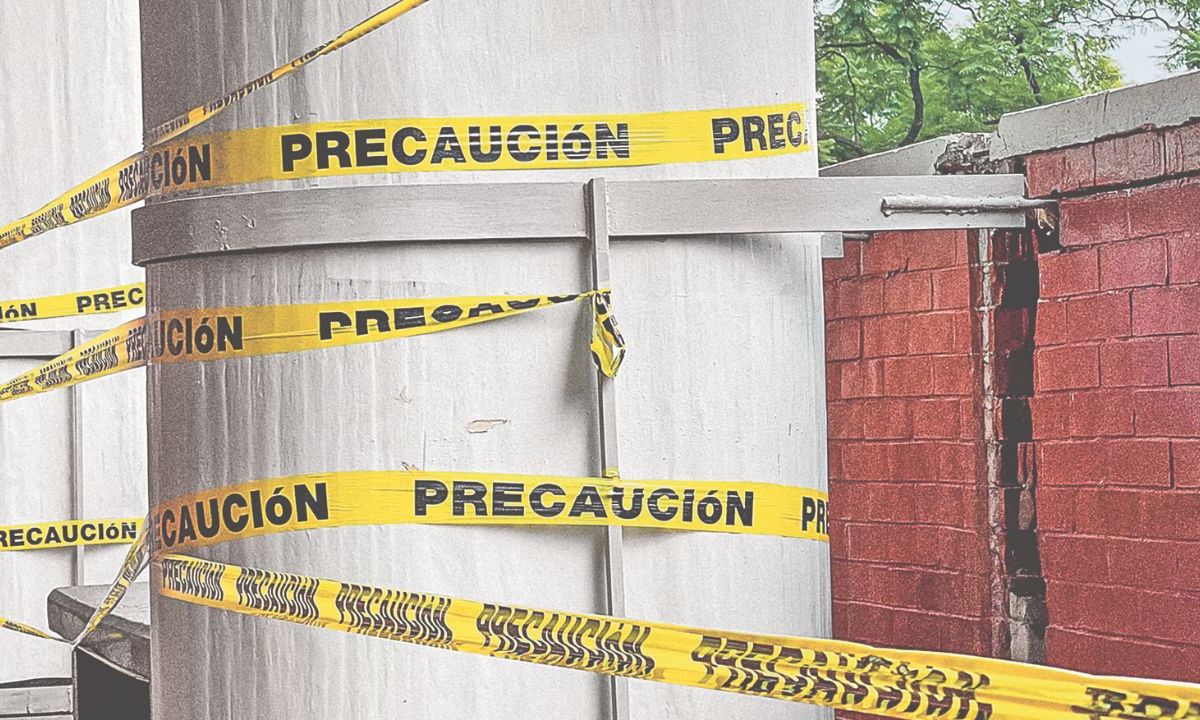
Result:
{"points": [[1093, 448], [909, 546], [1116, 410]]}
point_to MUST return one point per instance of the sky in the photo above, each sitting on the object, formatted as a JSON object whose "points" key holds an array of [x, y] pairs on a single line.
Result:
{"points": [[1138, 56]]}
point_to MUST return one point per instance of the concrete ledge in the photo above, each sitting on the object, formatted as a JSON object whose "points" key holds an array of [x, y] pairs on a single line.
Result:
{"points": [[123, 638], [1163, 103], [916, 159], [34, 699]]}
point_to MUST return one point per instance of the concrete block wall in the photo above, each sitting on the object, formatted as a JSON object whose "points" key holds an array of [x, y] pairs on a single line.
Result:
{"points": [[1116, 410], [910, 548], [1015, 417]]}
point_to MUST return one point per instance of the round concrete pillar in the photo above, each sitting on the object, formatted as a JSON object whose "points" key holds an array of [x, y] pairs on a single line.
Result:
{"points": [[724, 379]]}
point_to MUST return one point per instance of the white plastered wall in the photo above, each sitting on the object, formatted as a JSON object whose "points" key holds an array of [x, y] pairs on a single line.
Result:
{"points": [[70, 79]]}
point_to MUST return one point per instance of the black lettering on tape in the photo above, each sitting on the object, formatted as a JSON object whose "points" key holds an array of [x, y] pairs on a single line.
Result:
{"points": [[400, 151], [200, 163], [295, 146], [309, 502], [469, 492], [447, 147], [538, 503], [426, 493], [506, 499], [331, 321], [333, 144], [796, 133], [808, 512], [724, 131], [606, 141], [588, 501], [475, 144], [408, 317], [370, 147], [754, 131], [515, 145], [740, 508], [657, 511], [364, 318], [775, 131], [635, 503]]}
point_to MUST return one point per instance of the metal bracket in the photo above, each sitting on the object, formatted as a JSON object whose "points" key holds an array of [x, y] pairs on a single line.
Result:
{"points": [[952, 205], [596, 202], [833, 245]]}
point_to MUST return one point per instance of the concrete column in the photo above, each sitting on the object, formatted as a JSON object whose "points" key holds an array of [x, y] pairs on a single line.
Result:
{"points": [[724, 379]]}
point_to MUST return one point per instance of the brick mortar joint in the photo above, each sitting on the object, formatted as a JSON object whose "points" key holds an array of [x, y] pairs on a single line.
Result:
{"points": [[1135, 184]]}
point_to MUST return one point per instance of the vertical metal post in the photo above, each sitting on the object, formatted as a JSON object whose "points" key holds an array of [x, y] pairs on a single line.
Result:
{"points": [[78, 337], [614, 555], [75, 681]]}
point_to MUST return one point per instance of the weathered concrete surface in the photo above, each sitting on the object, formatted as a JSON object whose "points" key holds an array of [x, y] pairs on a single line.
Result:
{"points": [[724, 378], [69, 77], [916, 159], [1163, 103], [123, 637]]}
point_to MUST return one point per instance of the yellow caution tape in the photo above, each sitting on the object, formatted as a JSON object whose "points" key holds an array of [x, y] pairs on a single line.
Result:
{"points": [[405, 145], [88, 302], [608, 345], [843, 675], [69, 533], [222, 333], [133, 530], [202, 113], [110, 189], [135, 561], [118, 349], [308, 502], [6, 624], [533, 142]]}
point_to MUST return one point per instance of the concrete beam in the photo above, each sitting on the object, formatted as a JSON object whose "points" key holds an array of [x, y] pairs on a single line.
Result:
{"points": [[916, 159], [1163, 103], [34, 344]]}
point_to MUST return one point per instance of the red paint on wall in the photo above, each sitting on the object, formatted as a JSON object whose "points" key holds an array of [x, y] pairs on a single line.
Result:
{"points": [[1113, 420]]}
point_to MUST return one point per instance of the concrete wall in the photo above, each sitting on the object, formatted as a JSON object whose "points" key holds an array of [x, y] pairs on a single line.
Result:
{"points": [[69, 73], [692, 402]]}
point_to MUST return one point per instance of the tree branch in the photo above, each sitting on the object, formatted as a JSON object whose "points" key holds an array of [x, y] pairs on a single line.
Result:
{"points": [[967, 8], [1035, 88], [854, 116], [883, 47], [1031, 79], [918, 97], [847, 143]]}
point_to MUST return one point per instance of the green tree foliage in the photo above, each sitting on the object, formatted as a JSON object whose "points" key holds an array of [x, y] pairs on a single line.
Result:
{"points": [[894, 72]]}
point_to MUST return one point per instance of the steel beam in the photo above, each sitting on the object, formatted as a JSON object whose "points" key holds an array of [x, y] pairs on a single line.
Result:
{"points": [[556, 211]]}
